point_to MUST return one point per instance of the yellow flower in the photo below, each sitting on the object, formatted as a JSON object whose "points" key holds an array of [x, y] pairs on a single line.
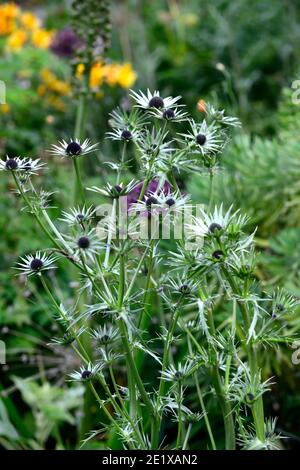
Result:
{"points": [[5, 108], [41, 38], [127, 76], [80, 70], [97, 75], [111, 72], [17, 40], [42, 89], [8, 13], [30, 21]]}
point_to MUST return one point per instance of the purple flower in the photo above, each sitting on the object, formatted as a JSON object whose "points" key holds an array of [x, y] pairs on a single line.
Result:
{"points": [[133, 196], [65, 43]]}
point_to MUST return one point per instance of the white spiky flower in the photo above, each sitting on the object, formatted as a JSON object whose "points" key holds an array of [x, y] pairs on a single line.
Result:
{"points": [[179, 373], [28, 165], [124, 134], [105, 335], [85, 373], [115, 191], [73, 148], [85, 245], [153, 100], [35, 264], [78, 215], [169, 114], [204, 138]]}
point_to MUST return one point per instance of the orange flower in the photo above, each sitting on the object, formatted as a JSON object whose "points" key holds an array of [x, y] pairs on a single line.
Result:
{"points": [[201, 106], [8, 14]]}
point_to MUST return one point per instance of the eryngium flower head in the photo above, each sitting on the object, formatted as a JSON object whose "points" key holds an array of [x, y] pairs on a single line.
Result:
{"points": [[78, 215], [26, 165], [205, 139], [126, 134], [86, 373], [85, 245], [35, 264], [73, 148], [105, 335], [179, 373], [115, 191], [153, 100], [169, 114]]}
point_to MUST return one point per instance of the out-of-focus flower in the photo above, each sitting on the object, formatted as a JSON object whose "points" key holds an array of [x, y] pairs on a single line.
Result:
{"points": [[97, 75], [111, 74], [201, 106], [8, 14], [65, 43], [30, 21], [53, 89], [5, 108], [17, 40], [41, 38], [127, 76]]}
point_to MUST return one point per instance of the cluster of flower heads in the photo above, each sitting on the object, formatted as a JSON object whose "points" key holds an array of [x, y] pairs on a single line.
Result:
{"points": [[215, 259], [200, 147], [21, 28]]}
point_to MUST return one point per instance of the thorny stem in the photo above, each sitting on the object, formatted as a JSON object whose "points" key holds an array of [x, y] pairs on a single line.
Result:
{"points": [[199, 393], [221, 394], [257, 407], [113, 213], [78, 186], [86, 359], [179, 431]]}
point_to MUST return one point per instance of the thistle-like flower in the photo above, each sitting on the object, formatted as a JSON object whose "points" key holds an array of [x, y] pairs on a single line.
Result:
{"points": [[205, 139], [73, 148], [105, 335], [86, 373], [115, 191], [78, 216], [179, 373], [26, 165], [169, 114], [153, 100], [35, 264], [124, 134], [85, 245]]}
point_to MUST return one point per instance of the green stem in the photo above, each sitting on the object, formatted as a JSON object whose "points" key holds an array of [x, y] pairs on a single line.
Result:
{"points": [[257, 407], [199, 393], [179, 431], [221, 395]]}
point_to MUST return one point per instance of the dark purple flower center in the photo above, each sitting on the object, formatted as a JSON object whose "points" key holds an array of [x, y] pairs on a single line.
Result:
{"points": [[214, 226], [200, 139], [11, 164], [169, 113], [156, 102], [218, 254], [170, 202], [36, 264], [83, 243], [151, 200], [86, 374], [73, 148], [126, 135]]}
